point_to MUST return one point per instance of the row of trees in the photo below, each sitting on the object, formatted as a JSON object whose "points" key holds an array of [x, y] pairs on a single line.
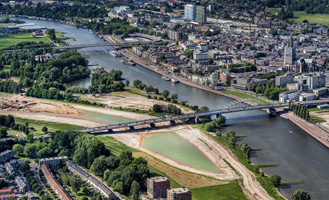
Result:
{"points": [[170, 109], [309, 6], [299, 110], [25, 169], [239, 68]]}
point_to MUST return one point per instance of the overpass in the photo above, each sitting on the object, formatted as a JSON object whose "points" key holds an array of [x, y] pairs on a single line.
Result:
{"points": [[80, 46], [171, 119]]}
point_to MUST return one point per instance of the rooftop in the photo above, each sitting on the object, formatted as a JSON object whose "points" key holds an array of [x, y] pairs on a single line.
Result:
{"points": [[159, 179], [179, 190]]}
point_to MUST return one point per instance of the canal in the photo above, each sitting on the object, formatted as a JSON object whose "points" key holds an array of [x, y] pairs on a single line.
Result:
{"points": [[298, 155]]}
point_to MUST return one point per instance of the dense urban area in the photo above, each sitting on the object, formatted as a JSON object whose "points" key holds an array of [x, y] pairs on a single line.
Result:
{"points": [[79, 121]]}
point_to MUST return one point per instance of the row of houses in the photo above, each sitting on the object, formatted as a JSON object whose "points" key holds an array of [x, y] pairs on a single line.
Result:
{"points": [[99, 186], [6, 155], [62, 194]]}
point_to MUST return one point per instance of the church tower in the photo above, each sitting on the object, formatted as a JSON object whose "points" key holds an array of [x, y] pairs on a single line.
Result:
{"points": [[289, 53]]}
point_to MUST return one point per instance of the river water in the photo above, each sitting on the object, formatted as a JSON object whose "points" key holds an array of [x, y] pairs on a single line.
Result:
{"points": [[298, 155]]}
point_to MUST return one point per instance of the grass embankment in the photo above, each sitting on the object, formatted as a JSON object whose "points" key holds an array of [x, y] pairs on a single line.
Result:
{"points": [[263, 180], [62, 37], [318, 109], [317, 119], [6, 24], [246, 96], [219, 192], [202, 187], [300, 16], [10, 40], [52, 126]]}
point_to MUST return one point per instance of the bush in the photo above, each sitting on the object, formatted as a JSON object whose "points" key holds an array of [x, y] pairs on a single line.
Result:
{"points": [[44, 129]]}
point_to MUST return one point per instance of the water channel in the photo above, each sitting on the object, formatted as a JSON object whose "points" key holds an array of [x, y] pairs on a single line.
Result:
{"points": [[300, 157]]}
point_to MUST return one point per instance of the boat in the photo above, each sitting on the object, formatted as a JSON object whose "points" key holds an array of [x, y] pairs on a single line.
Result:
{"points": [[174, 80], [165, 78], [129, 62], [114, 53]]}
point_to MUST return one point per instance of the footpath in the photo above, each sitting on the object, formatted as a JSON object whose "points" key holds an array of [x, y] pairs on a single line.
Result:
{"points": [[316, 131]]}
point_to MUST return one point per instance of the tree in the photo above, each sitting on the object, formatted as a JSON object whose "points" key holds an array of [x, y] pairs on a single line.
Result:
{"points": [[209, 127], [29, 150], [174, 96], [276, 180], [188, 53], [204, 109], [99, 166], [3, 132], [300, 195], [86, 190], [44, 129], [30, 138], [165, 93], [76, 183], [134, 191], [127, 83], [18, 149], [107, 173]]}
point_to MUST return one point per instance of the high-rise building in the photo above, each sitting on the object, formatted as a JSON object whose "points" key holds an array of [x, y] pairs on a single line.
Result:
{"points": [[190, 12], [201, 14], [179, 194], [289, 53], [158, 186]]}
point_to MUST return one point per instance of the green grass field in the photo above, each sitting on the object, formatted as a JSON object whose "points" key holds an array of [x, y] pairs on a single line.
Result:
{"points": [[273, 10], [52, 126], [244, 96], [115, 146], [229, 191], [9, 40], [6, 24], [300, 16]]}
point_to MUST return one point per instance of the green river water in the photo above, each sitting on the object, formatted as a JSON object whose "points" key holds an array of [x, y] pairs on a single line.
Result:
{"points": [[175, 147]]}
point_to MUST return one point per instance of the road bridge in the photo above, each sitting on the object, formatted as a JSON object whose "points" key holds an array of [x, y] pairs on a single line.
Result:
{"points": [[172, 119], [80, 46]]}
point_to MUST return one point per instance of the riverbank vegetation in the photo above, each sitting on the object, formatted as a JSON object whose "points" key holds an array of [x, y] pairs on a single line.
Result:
{"points": [[270, 90], [299, 110]]}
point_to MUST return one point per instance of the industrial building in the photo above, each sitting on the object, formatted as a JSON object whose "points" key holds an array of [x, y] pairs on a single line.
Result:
{"points": [[157, 186]]}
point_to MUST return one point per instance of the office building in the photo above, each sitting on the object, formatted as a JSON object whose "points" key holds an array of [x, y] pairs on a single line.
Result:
{"points": [[190, 12], [201, 14]]}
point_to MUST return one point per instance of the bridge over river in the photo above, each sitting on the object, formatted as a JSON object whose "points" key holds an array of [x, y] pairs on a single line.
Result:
{"points": [[172, 119]]}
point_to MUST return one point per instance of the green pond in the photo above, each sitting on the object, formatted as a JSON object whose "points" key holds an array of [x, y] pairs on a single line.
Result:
{"points": [[175, 147], [102, 118]]}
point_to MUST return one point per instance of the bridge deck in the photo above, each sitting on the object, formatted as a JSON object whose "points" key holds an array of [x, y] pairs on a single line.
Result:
{"points": [[179, 117]]}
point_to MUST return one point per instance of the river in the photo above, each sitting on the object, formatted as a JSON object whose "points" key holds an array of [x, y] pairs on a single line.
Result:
{"points": [[300, 157]]}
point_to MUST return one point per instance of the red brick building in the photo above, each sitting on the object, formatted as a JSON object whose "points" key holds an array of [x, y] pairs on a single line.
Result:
{"points": [[158, 186]]}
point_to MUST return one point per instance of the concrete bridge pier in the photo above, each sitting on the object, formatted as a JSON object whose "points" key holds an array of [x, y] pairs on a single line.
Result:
{"points": [[271, 111], [216, 116], [152, 125], [131, 128], [197, 120], [172, 122]]}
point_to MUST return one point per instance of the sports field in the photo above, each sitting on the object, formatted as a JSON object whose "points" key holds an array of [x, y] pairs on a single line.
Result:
{"points": [[9, 40], [300, 16]]}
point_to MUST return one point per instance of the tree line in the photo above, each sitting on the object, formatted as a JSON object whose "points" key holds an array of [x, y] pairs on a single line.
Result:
{"points": [[299, 110], [170, 109], [309, 6]]}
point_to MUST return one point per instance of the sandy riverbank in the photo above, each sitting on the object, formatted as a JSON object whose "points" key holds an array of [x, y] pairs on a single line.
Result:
{"points": [[215, 151]]}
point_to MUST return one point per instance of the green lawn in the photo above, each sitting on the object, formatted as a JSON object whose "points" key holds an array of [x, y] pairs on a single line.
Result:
{"points": [[229, 191], [52, 126], [317, 119], [9, 40], [115, 146], [274, 10], [243, 96], [300, 16], [6, 24]]}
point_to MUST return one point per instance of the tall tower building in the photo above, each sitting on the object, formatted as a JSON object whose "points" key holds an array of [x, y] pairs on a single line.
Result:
{"points": [[190, 12], [289, 53], [201, 14]]}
